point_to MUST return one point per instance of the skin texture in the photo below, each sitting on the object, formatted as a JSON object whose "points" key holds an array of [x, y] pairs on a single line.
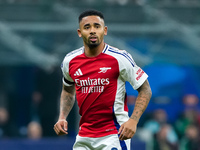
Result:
{"points": [[128, 129], [66, 103], [92, 30]]}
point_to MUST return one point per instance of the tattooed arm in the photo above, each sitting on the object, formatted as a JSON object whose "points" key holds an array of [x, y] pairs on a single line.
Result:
{"points": [[128, 129], [66, 103], [144, 95]]}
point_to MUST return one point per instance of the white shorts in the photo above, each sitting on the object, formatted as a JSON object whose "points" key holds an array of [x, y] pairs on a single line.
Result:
{"points": [[110, 142]]}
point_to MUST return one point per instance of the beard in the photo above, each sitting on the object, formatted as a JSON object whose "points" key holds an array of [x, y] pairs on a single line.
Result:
{"points": [[92, 44]]}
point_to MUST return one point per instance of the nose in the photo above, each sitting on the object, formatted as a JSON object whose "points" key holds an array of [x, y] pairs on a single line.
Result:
{"points": [[93, 30]]}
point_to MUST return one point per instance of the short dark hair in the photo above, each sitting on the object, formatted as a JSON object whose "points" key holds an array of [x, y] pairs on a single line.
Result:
{"points": [[90, 13]]}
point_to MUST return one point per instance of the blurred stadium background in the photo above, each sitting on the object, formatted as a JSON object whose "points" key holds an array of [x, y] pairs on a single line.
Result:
{"points": [[163, 36]]}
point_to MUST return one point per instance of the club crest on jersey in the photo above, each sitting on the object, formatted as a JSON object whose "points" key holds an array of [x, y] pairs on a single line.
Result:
{"points": [[104, 69], [78, 72]]}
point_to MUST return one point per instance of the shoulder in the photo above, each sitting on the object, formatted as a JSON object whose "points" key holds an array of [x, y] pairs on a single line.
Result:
{"points": [[121, 55], [114, 49], [73, 54], [117, 52]]}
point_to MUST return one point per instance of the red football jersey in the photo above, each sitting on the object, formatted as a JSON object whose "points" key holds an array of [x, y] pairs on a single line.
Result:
{"points": [[100, 88]]}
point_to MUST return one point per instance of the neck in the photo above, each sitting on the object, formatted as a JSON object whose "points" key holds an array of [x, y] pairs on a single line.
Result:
{"points": [[95, 51]]}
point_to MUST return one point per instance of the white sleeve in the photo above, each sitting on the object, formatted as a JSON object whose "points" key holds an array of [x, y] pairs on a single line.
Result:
{"points": [[130, 72], [67, 80]]}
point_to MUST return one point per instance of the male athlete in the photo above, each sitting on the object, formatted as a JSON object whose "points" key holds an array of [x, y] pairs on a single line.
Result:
{"points": [[97, 73]]}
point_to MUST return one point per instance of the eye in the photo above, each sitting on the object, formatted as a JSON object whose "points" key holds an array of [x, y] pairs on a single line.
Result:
{"points": [[86, 27], [97, 26]]}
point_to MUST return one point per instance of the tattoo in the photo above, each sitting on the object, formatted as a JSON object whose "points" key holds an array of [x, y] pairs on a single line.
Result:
{"points": [[142, 101], [67, 101], [134, 117]]}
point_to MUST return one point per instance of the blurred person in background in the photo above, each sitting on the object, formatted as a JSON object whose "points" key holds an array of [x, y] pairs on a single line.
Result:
{"points": [[164, 139], [161, 130], [191, 101], [7, 128], [191, 138], [4, 118], [97, 73], [190, 114], [35, 106], [158, 119], [34, 130]]}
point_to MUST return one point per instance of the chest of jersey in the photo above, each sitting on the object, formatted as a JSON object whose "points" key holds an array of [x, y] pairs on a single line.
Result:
{"points": [[97, 71], [95, 79]]}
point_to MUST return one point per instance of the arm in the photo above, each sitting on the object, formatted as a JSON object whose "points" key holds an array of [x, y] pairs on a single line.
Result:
{"points": [[144, 96], [128, 129], [66, 103]]}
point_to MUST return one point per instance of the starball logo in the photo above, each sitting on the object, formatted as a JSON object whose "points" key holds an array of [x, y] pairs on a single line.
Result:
{"points": [[92, 85]]}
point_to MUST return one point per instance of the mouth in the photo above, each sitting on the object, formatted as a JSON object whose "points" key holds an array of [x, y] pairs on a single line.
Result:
{"points": [[93, 38]]}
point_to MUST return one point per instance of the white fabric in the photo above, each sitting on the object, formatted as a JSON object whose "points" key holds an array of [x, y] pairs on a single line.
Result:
{"points": [[110, 142]]}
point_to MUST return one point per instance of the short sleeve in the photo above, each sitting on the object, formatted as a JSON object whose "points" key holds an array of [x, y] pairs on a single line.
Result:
{"points": [[67, 80], [130, 72]]}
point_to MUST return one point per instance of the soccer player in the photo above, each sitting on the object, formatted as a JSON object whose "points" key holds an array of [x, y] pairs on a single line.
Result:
{"points": [[97, 73]]}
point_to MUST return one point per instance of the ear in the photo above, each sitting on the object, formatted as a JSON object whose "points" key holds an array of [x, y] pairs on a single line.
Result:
{"points": [[79, 32], [105, 30]]}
